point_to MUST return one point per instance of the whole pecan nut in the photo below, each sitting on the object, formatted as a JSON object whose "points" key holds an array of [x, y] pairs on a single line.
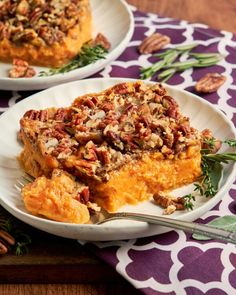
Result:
{"points": [[209, 83], [5, 240], [153, 43]]}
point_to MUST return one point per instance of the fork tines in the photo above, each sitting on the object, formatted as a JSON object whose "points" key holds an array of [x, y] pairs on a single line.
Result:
{"points": [[24, 179]]}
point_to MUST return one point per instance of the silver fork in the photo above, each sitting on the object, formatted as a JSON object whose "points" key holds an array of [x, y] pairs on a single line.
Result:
{"points": [[190, 227]]}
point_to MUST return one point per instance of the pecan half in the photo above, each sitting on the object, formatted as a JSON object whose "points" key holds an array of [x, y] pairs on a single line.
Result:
{"points": [[153, 43], [210, 83], [100, 39], [3, 248], [7, 237], [5, 240], [21, 69], [168, 202]]}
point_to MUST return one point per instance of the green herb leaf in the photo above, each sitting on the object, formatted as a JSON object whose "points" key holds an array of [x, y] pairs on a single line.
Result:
{"points": [[88, 54], [230, 142], [187, 47], [215, 174], [205, 55], [22, 242], [227, 222], [188, 201], [166, 73], [210, 142], [221, 158], [150, 71], [206, 62], [164, 53], [183, 65], [169, 56]]}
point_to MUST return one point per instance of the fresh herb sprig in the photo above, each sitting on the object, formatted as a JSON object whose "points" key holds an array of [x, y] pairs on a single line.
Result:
{"points": [[189, 201], [88, 54], [231, 142], [212, 170], [169, 62]]}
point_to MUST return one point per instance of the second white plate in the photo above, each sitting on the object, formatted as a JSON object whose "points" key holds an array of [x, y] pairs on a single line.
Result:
{"points": [[112, 18]]}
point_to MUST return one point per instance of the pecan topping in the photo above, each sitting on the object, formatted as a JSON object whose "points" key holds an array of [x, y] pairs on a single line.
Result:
{"points": [[168, 202], [210, 83], [41, 115], [100, 39], [21, 69], [153, 43], [99, 133], [48, 21]]}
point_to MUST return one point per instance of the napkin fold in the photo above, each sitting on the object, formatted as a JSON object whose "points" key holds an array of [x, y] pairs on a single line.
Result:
{"points": [[173, 263]]}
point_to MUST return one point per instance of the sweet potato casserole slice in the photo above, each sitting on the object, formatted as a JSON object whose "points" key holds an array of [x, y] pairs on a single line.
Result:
{"points": [[46, 33], [126, 143]]}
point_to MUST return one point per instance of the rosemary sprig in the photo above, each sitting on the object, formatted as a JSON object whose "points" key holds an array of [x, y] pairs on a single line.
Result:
{"points": [[231, 142], [169, 62], [188, 201], [88, 54], [212, 170]]}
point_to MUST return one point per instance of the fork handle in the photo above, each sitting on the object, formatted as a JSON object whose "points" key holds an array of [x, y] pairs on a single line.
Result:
{"points": [[190, 227]]}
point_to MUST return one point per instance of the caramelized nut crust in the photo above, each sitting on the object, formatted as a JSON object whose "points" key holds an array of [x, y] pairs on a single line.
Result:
{"points": [[101, 132], [47, 33]]}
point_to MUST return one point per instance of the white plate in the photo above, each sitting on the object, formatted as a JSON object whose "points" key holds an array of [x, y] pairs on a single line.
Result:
{"points": [[112, 18], [201, 113]]}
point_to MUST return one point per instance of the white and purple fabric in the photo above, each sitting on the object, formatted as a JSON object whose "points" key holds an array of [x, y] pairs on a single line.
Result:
{"points": [[173, 263]]}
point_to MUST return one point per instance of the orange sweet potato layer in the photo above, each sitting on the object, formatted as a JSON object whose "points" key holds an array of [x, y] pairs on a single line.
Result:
{"points": [[138, 180], [54, 199]]}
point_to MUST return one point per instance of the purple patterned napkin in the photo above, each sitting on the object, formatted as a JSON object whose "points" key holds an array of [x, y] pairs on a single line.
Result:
{"points": [[173, 263]]}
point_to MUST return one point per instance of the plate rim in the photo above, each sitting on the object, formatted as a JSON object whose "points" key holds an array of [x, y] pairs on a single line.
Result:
{"points": [[114, 80]]}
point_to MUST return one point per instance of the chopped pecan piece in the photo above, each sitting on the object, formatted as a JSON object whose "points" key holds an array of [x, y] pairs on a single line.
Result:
{"points": [[169, 210], [100, 39], [209, 83], [83, 196], [168, 202], [153, 43], [21, 69]]}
